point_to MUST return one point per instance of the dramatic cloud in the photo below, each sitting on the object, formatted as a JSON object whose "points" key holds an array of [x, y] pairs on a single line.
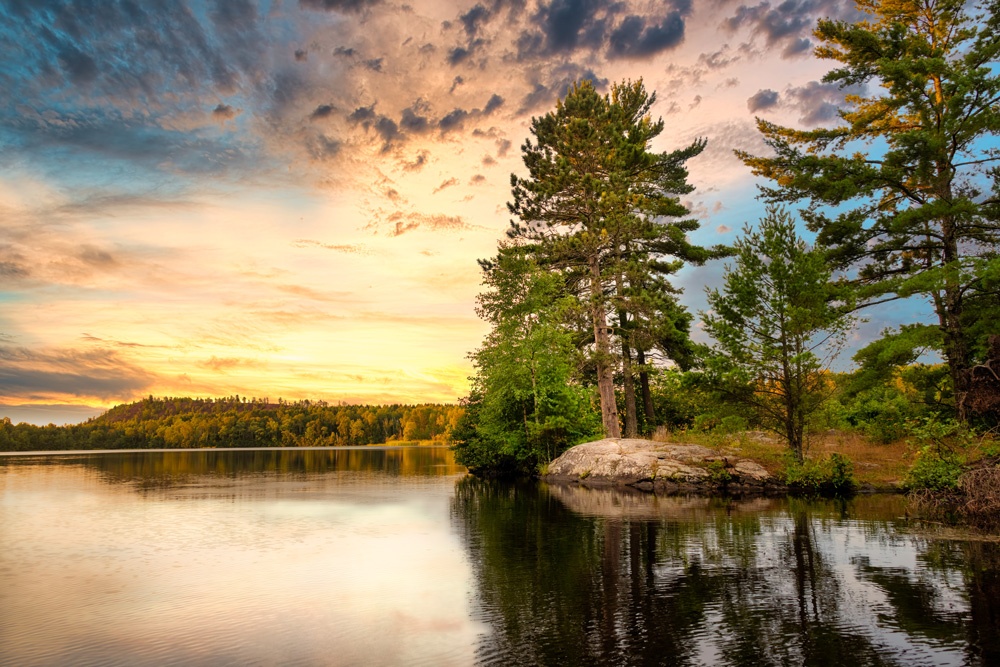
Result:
{"points": [[789, 23], [635, 38], [762, 99], [96, 374], [820, 103], [172, 162]]}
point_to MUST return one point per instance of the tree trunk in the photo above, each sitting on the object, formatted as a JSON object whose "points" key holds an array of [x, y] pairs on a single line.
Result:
{"points": [[602, 344], [956, 348], [647, 396], [628, 384]]}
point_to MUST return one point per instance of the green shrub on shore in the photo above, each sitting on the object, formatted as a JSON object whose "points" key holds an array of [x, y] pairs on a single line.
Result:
{"points": [[831, 476], [941, 455]]}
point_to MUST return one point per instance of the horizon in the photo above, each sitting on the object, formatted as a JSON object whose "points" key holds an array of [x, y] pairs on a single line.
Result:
{"points": [[289, 199]]}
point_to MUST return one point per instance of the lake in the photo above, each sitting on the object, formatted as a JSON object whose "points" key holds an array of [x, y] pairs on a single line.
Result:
{"points": [[394, 556]]}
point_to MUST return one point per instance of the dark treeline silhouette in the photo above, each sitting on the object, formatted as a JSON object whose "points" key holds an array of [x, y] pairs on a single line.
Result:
{"points": [[184, 423]]}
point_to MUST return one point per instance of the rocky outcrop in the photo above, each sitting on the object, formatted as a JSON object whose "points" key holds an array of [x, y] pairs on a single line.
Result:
{"points": [[649, 465]]}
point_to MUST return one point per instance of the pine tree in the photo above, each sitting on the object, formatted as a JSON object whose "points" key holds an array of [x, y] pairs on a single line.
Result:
{"points": [[905, 190], [601, 207], [772, 321]]}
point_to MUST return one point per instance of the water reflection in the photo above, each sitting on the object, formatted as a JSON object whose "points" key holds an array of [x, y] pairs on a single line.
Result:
{"points": [[160, 469], [577, 576], [343, 557]]}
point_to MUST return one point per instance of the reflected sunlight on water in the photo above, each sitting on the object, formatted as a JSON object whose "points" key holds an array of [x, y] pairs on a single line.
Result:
{"points": [[393, 556], [335, 562]]}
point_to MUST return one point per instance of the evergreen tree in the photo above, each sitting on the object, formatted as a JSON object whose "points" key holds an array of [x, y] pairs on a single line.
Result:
{"points": [[905, 190], [771, 322], [601, 207]]}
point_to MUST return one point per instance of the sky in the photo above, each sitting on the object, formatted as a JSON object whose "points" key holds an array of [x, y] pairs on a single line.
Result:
{"points": [[287, 199]]}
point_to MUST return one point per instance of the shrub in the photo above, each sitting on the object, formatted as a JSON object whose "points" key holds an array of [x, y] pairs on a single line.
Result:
{"points": [[934, 471], [831, 476], [940, 458]]}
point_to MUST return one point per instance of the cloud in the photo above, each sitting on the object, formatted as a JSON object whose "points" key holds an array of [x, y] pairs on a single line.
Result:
{"points": [[819, 102], [446, 184], [414, 118], [320, 147], [79, 67], [473, 19], [348, 248], [453, 121], [494, 103], [223, 364], [96, 257], [301, 55], [97, 373], [790, 23], [554, 84], [418, 162], [636, 38], [341, 6], [322, 111], [224, 112], [762, 99], [363, 114], [403, 222]]}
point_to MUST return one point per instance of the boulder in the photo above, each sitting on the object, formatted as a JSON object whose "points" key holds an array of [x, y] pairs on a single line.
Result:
{"points": [[650, 465]]}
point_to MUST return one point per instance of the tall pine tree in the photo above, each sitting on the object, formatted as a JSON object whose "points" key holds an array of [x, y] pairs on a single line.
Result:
{"points": [[600, 206], [905, 190]]}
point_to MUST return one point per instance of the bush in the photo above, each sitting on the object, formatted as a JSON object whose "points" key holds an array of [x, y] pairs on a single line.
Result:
{"points": [[831, 476], [940, 458], [934, 471]]}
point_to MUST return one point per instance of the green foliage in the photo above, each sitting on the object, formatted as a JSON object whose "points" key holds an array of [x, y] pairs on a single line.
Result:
{"points": [[934, 471], [942, 446], [771, 321], [603, 211], [525, 407], [680, 397], [831, 476], [904, 189], [719, 473], [184, 423]]}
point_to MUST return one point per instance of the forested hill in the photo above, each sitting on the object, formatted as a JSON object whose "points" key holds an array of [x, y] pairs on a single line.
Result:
{"points": [[183, 423]]}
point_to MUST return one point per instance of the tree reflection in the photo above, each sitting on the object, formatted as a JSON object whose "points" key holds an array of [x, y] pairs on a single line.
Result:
{"points": [[165, 469], [709, 582]]}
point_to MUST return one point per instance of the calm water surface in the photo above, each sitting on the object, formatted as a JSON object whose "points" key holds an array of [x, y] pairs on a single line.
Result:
{"points": [[393, 556]]}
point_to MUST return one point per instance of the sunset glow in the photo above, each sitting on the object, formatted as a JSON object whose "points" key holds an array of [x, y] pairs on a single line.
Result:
{"points": [[287, 199]]}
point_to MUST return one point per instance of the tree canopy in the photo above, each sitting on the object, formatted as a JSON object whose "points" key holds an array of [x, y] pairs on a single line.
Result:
{"points": [[603, 209], [905, 190]]}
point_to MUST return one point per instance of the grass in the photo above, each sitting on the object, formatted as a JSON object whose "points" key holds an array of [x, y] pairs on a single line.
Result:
{"points": [[881, 465]]}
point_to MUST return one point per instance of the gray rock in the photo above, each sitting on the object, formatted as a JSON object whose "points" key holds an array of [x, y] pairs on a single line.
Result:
{"points": [[647, 464]]}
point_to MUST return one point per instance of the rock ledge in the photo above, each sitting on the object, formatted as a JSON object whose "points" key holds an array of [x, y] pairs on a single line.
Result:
{"points": [[650, 465]]}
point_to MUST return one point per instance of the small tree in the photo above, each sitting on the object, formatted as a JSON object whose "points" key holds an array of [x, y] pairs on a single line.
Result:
{"points": [[772, 322]]}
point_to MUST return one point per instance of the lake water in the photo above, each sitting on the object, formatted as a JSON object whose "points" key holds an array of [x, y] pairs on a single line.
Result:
{"points": [[393, 556]]}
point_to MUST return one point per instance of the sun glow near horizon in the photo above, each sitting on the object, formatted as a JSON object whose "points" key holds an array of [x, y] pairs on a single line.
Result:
{"points": [[292, 203]]}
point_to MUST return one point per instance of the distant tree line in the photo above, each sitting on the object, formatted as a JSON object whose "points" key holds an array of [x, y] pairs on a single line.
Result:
{"points": [[183, 423]]}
